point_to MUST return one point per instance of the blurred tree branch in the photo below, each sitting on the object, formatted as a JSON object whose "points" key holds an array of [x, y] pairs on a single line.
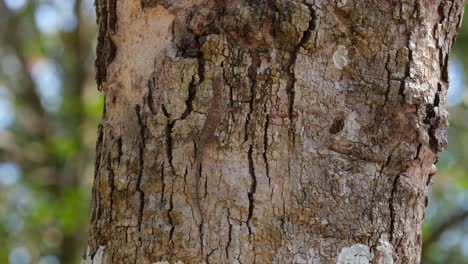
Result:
{"points": [[437, 232]]}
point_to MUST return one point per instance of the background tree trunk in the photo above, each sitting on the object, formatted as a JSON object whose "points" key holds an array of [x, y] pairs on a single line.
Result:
{"points": [[268, 131]]}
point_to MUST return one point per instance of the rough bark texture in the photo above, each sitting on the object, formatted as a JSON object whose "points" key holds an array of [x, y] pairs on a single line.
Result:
{"points": [[268, 131]]}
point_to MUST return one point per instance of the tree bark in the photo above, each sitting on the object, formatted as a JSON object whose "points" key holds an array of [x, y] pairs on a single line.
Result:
{"points": [[268, 131]]}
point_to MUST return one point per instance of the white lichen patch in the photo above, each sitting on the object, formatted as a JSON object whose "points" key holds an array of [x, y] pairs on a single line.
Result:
{"points": [[386, 249], [96, 259], [342, 3], [356, 254], [340, 57]]}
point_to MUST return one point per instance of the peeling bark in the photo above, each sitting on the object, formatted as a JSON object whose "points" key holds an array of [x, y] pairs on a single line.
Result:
{"points": [[268, 131]]}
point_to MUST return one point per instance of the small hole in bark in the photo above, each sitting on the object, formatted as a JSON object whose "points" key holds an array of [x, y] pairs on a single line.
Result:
{"points": [[337, 125]]}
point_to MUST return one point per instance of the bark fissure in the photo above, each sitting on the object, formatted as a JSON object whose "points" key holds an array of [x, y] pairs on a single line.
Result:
{"points": [[265, 147], [192, 90], [105, 49], [228, 244], [119, 150], [391, 204], [163, 183], [253, 188], [171, 222], [290, 89], [168, 135], [252, 74], [150, 99], [250, 135], [141, 159]]}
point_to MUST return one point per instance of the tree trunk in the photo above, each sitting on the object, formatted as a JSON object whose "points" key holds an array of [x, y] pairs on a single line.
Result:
{"points": [[268, 131]]}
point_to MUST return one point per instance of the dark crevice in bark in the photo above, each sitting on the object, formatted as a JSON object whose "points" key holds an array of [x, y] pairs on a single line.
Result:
{"points": [[252, 75], [192, 90], [418, 150], [163, 184], [119, 149], [391, 204], [265, 147], [253, 188], [105, 49], [206, 184], [99, 143], [207, 259], [199, 206], [201, 66], [201, 232], [433, 121], [168, 134], [228, 244], [337, 125], [164, 111], [292, 62], [150, 99], [171, 222], [389, 79], [443, 63], [142, 124], [170, 143]]}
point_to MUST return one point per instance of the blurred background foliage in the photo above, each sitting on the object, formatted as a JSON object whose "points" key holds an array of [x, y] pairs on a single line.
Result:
{"points": [[49, 112]]}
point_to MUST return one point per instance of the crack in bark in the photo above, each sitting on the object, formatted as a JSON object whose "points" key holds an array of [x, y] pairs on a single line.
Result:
{"points": [[192, 89], [433, 120], [201, 236], [228, 244], [150, 99], [391, 205], [171, 222], [142, 124], [252, 75], [207, 259], [105, 49], [168, 134], [292, 62], [389, 79], [170, 143], [253, 188], [163, 184], [265, 147], [119, 149]]}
